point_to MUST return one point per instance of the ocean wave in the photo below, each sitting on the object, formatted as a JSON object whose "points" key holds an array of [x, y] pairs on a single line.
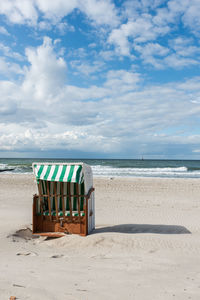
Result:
{"points": [[15, 168], [103, 169], [6, 168], [3, 166], [99, 170], [108, 168]]}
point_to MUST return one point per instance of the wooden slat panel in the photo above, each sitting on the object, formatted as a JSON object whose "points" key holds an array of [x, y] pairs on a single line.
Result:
{"points": [[40, 196], [63, 201], [49, 200], [56, 199], [78, 198], [70, 199]]}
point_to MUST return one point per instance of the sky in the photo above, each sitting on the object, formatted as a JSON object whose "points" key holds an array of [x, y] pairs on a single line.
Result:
{"points": [[100, 79]]}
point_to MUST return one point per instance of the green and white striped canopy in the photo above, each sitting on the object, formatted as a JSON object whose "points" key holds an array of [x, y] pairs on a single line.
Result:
{"points": [[58, 172]]}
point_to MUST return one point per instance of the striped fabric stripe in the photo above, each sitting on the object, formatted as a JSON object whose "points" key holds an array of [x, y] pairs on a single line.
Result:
{"points": [[59, 173], [66, 173]]}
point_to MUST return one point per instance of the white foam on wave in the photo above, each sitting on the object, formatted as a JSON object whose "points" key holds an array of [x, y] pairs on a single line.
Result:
{"points": [[3, 166], [112, 171], [99, 170], [16, 169]]}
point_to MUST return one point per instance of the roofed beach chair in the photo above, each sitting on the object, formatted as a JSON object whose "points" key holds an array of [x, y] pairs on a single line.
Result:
{"points": [[65, 200]]}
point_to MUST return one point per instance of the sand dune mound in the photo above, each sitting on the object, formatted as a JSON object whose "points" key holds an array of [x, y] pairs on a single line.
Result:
{"points": [[24, 233]]}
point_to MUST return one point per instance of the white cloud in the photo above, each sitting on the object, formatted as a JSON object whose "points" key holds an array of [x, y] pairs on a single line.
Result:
{"points": [[40, 110], [134, 8], [107, 54], [56, 10], [44, 25], [100, 12], [63, 27], [7, 51], [78, 53], [9, 69], [32, 139], [184, 46], [19, 11], [140, 30], [181, 53], [59, 27], [44, 121], [144, 26], [191, 17], [92, 45], [151, 53], [120, 81], [28, 11], [46, 74], [45, 112], [4, 31], [118, 37], [87, 68], [196, 151], [188, 12], [176, 61]]}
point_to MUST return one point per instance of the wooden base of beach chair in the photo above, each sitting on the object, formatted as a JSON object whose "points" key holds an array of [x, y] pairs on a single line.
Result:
{"points": [[46, 220], [42, 225], [50, 234], [51, 225]]}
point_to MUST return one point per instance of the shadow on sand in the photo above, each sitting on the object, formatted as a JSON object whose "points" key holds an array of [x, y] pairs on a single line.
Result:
{"points": [[144, 228]]}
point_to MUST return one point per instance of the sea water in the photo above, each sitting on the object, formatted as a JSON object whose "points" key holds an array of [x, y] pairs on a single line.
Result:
{"points": [[115, 167]]}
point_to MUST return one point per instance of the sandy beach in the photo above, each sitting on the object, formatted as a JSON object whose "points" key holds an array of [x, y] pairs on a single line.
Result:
{"points": [[146, 244]]}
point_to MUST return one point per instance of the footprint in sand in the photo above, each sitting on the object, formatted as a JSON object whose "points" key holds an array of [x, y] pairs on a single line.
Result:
{"points": [[57, 256], [18, 285], [27, 253]]}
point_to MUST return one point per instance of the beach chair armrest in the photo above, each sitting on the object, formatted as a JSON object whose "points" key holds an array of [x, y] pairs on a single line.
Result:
{"points": [[89, 192], [35, 198]]}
